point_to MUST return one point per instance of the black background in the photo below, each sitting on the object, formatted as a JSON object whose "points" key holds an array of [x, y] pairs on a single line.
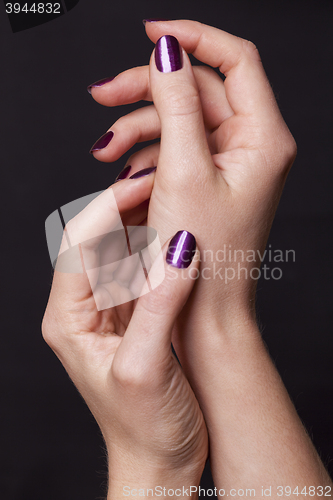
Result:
{"points": [[24, 15], [50, 446]]}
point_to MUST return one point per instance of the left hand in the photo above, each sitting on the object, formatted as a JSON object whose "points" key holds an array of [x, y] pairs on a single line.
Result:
{"points": [[120, 358], [224, 156]]}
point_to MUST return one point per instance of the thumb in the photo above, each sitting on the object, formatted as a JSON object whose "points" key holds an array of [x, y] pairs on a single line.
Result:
{"points": [[176, 97], [148, 335]]}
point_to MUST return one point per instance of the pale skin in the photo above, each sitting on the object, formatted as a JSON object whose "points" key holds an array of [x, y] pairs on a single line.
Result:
{"points": [[222, 162]]}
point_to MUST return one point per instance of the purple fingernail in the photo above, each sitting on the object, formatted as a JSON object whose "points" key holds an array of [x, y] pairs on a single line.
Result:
{"points": [[168, 54], [102, 142], [100, 83], [181, 250], [152, 20], [143, 173], [123, 174]]}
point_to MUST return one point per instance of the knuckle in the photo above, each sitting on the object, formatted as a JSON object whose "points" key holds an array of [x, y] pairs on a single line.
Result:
{"points": [[281, 156], [45, 329], [56, 332], [289, 152], [48, 332], [250, 49], [291, 148], [181, 100], [129, 372]]}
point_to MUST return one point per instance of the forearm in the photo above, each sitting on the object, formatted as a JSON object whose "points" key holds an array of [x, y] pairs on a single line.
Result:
{"points": [[256, 436]]}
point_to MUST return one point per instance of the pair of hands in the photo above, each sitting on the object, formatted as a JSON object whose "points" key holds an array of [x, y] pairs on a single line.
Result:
{"points": [[222, 161]]}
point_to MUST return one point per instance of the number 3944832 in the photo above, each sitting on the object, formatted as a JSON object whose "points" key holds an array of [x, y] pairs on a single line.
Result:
{"points": [[35, 8]]}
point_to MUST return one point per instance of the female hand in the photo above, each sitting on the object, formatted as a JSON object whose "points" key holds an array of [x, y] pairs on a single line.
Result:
{"points": [[224, 156], [221, 169], [120, 358]]}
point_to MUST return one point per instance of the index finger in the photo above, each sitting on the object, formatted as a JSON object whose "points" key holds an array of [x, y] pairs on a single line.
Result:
{"points": [[85, 232], [247, 88]]}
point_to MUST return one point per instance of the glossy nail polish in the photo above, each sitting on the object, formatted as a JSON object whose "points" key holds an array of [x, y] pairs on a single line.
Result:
{"points": [[102, 142], [123, 174], [143, 172], [100, 83], [181, 250], [168, 54], [144, 21]]}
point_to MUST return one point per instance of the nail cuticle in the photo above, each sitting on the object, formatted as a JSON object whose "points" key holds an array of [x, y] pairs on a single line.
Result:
{"points": [[99, 83], [155, 20]]}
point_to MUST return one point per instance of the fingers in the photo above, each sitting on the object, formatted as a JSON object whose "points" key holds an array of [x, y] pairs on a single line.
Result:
{"points": [[134, 85], [103, 214], [144, 124], [141, 125], [142, 159], [247, 88], [127, 87], [85, 233], [184, 148], [150, 329], [215, 106]]}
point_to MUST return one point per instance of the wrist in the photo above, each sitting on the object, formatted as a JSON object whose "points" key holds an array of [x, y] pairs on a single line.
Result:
{"points": [[216, 351], [137, 475], [227, 309], [153, 484], [219, 325]]}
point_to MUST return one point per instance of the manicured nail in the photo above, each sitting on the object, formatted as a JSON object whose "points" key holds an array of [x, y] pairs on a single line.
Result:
{"points": [[168, 54], [143, 173], [102, 142], [152, 21], [100, 83], [123, 174], [181, 250]]}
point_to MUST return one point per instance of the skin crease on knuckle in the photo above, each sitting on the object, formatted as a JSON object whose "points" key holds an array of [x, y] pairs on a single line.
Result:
{"points": [[251, 49], [180, 99]]}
